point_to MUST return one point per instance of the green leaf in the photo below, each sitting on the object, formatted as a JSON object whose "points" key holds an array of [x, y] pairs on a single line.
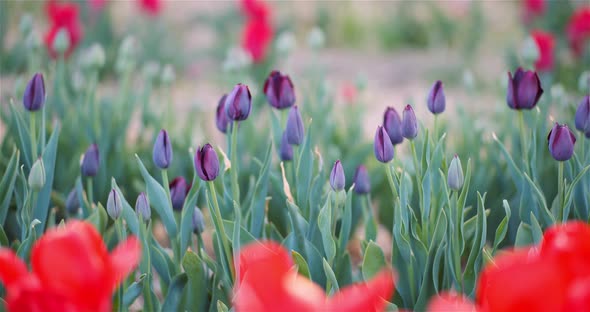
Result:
{"points": [[373, 261], [7, 184], [331, 277], [133, 291], [173, 300], [502, 227], [3, 238], [160, 264], [304, 170], [260, 191], [536, 231], [346, 222], [195, 269], [186, 217], [325, 225], [41, 209], [127, 213], [524, 235], [23, 135], [302, 266], [159, 200], [99, 218], [245, 237], [544, 209], [221, 307]]}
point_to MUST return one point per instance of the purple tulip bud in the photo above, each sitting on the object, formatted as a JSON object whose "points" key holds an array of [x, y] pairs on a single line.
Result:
{"points": [[207, 163], [238, 103], [178, 191], [561, 142], [34, 97], [455, 178], [198, 221], [393, 125], [524, 89], [90, 161], [337, 178], [162, 153], [362, 183], [436, 98], [221, 120], [279, 90], [409, 123], [114, 204], [294, 128], [286, 150], [72, 202], [583, 116], [382, 146], [142, 207]]}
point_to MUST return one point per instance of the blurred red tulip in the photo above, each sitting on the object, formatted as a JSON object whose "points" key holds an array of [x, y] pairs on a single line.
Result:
{"points": [[546, 44], [257, 37], [63, 16], [269, 282], [568, 244], [97, 5], [450, 301], [532, 9], [254, 9], [72, 270], [578, 30], [151, 7], [349, 92]]}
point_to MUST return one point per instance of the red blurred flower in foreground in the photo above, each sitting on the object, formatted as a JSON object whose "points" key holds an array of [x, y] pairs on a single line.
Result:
{"points": [[268, 281], [97, 5], [578, 30], [63, 16], [258, 31], [554, 276], [532, 9], [254, 9], [546, 44], [71, 271], [349, 92], [151, 7]]}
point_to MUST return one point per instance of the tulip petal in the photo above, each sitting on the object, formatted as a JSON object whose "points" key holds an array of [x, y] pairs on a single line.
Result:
{"points": [[450, 302], [370, 296], [124, 258], [12, 268]]}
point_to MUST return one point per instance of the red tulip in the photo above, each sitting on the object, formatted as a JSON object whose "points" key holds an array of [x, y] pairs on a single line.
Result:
{"points": [[63, 16], [269, 282], [568, 244], [546, 44], [151, 7], [532, 9], [254, 9], [450, 301], [257, 37], [97, 5], [578, 30], [72, 270]]}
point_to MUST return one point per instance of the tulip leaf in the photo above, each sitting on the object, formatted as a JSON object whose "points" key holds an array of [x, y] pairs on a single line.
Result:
{"points": [[260, 191], [99, 218], [571, 188], [536, 231], [41, 209], [304, 171], [524, 236], [160, 264], [346, 224], [325, 225], [159, 200], [195, 269], [245, 237], [7, 184], [133, 291], [23, 135], [502, 227], [544, 209], [221, 307], [479, 241], [373, 261], [3, 238], [332, 286], [302, 266], [186, 217], [173, 300], [314, 259]]}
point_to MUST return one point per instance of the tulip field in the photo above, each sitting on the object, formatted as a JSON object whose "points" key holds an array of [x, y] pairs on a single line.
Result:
{"points": [[257, 155]]}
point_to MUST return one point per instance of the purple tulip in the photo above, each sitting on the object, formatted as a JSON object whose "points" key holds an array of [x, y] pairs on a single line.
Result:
{"points": [[221, 120], [207, 163], [178, 191], [90, 161], [286, 150], [34, 97], [238, 103], [162, 152], [279, 90], [198, 221], [362, 183], [114, 207], [409, 123], [142, 207], [436, 98], [72, 202], [393, 125], [337, 178], [561, 142], [524, 89], [583, 116], [294, 128], [382, 146]]}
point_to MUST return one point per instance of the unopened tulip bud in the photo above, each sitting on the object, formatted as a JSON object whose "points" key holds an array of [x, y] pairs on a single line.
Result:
{"points": [[455, 177], [221, 119], [561, 142], [90, 161], [238, 103], [37, 175], [114, 206], [178, 191], [207, 163], [362, 183], [409, 123], [198, 221], [162, 152], [61, 43], [524, 89], [279, 90], [583, 116], [286, 150], [337, 178], [436, 98], [142, 207], [382, 146], [393, 125], [294, 128], [72, 202], [34, 96]]}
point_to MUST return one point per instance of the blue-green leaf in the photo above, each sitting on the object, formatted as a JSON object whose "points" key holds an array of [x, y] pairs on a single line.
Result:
{"points": [[133, 291], [7, 184], [373, 261], [173, 300], [41, 209]]}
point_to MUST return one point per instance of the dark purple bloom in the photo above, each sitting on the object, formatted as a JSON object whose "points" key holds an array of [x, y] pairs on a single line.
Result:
{"points": [[238, 103], [162, 153], [279, 90], [393, 125], [221, 120], [583, 116], [436, 98], [382, 146], [72, 202], [198, 221], [178, 191], [207, 163], [90, 161], [362, 183], [524, 89], [294, 128], [561, 142], [337, 179], [142, 207], [409, 123], [286, 150], [34, 97]]}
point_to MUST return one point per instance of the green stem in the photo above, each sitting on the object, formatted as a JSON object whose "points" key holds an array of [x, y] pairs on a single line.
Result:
{"points": [[90, 191], [221, 235], [523, 144], [173, 241], [435, 136], [583, 150], [457, 253], [147, 292], [33, 120], [234, 163], [370, 222], [121, 234], [560, 191]]}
